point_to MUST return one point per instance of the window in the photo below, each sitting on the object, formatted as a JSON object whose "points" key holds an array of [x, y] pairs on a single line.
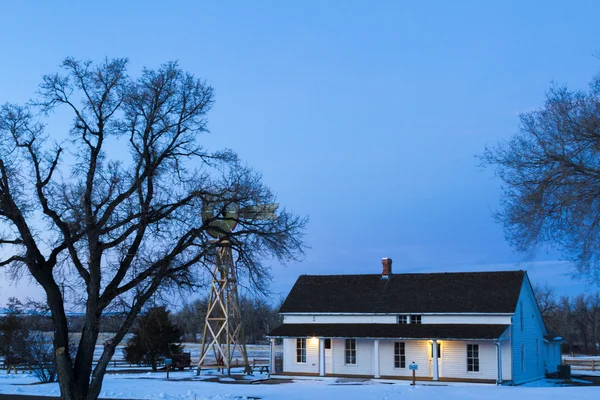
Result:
{"points": [[327, 343], [301, 350], [399, 355], [409, 319], [350, 351], [473, 358], [439, 350], [522, 357]]}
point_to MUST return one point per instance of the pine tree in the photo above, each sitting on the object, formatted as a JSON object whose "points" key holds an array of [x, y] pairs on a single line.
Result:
{"points": [[14, 335], [155, 336]]}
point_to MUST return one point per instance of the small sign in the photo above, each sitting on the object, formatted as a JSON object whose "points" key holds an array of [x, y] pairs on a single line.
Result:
{"points": [[168, 361], [413, 367]]}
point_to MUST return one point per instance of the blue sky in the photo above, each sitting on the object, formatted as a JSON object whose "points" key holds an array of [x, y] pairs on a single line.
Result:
{"points": [[366, 116]]}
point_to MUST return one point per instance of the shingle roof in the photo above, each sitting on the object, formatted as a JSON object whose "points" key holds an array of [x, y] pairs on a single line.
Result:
{"points": [[396, 331], [465, 292]]}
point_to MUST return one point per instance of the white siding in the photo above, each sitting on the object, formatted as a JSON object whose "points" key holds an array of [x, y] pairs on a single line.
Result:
{"points": [[340, 319], [364, 357], [506, 360], [312, 356], [416, 350], [454, 360], [392, 319], [466, 319], [452, 364], [528, 334]]}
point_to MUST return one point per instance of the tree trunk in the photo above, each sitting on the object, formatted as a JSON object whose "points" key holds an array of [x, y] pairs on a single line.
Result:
{"points": [[66, 378]]}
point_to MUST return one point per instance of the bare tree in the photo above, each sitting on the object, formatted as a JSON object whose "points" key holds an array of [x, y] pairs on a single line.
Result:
{"points": [[191, 318], [551, 175], [580, 320], [592, 317], [42, 359], [546, 299], [258, 317], [113, 207]]}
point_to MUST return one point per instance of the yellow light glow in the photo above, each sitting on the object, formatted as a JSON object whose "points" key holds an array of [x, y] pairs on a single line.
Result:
{"points": [[313, 340]]}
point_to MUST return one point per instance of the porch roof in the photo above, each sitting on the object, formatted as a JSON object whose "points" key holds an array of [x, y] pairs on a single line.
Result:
{"points": [[392, 331]]}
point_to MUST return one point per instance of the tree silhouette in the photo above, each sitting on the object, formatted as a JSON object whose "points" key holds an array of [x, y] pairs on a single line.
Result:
{"points": [[107, 212], [551, 174], [154, 337]]}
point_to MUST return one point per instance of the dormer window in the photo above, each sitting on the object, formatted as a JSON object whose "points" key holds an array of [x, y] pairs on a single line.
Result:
{"points": [[404, 319]]}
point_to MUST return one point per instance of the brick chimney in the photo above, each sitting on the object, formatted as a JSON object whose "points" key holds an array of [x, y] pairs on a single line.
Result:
{"points": [[387, 268]]}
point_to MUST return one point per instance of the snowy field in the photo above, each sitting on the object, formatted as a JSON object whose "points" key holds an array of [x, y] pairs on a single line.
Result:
{"points": [[254, 352], [185, 385]]}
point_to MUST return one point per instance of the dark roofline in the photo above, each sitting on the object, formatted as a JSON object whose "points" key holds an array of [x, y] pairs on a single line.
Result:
{"points": [[420, 273], [393, 313], [489, 292]]}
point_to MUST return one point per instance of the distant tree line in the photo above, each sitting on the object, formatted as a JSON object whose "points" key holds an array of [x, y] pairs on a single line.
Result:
{"points": [[258, 318], [575, 318]]}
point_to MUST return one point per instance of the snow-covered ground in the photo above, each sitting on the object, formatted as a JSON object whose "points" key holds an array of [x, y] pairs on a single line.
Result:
{"points": [[213, 386], [581, 357], [185, 385]]}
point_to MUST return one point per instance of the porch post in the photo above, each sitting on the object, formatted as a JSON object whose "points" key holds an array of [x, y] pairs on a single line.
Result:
{"points": [[434, 354], [321, 357], [272, 356], [499, 356], [376, 357]]}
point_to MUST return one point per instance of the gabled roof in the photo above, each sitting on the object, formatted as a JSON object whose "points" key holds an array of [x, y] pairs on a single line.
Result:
{"points": [[396, 331], [464, 292]]}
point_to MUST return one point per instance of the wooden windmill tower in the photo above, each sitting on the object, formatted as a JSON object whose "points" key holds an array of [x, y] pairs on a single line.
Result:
{"points": [[223, 331]]}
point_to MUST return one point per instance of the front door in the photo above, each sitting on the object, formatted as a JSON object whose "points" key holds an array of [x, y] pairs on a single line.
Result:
{"points": [[439, 360], [328, 357]]}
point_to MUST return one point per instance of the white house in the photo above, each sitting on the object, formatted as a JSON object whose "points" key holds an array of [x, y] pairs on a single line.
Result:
{"points": [[476, 326]]}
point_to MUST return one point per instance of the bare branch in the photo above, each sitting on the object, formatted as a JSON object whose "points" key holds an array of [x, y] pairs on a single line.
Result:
{"points": [[12, 260]]}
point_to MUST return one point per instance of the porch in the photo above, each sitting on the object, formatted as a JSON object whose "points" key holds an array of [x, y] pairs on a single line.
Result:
{"points": [[462, 353]]}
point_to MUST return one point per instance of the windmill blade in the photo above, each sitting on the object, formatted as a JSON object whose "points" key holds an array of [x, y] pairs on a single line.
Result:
{"points": [[260, 212]]}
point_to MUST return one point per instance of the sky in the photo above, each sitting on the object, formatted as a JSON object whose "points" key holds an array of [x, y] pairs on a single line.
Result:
{"points": [[365, 116]]}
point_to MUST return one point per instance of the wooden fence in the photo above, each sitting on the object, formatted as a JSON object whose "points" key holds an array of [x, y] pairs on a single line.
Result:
{"points": [[115, 363], [583, 364]]}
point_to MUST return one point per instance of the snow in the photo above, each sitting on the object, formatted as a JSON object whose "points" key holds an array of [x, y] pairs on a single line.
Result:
{"points": [[185, 385], [214, 386], [583, 372]]}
